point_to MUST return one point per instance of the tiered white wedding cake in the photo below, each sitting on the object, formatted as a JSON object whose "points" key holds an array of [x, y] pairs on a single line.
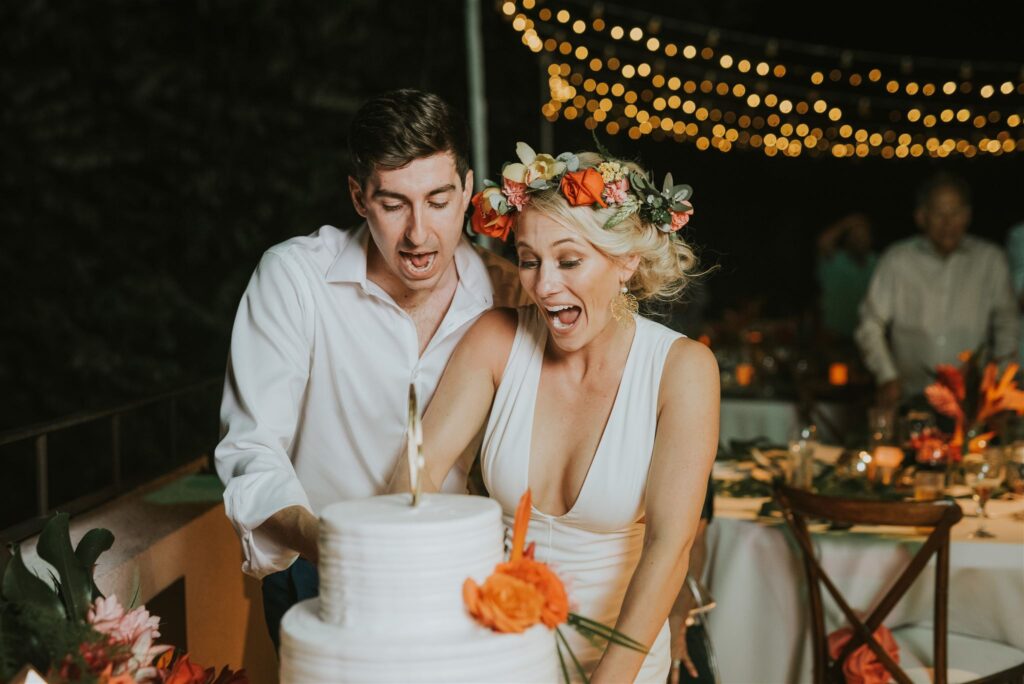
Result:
{"points": [[391, 607]]}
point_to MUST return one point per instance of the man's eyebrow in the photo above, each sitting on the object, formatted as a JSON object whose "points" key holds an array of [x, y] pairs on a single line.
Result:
{"points": [[381, 192]]}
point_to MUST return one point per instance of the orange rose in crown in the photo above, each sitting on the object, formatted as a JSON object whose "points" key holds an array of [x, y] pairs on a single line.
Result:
{"points": [[487, 220], [583, 188]]}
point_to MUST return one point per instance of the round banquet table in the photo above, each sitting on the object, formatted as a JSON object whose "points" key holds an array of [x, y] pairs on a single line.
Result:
{"points": [[761, 626]]}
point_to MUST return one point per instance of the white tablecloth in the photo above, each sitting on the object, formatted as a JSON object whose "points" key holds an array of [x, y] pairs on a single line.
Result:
{"points": [[760, 629], [775, 420]]}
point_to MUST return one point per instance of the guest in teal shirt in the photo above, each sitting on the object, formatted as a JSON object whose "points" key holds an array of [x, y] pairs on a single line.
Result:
{"points": [[845, 264]]}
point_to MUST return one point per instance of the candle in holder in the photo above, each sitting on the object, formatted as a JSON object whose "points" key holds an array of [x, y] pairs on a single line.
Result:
{"points": [[887, 459], [838, 374], [744, 374]]}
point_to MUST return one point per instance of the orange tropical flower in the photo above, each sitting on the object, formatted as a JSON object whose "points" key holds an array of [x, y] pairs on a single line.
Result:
{"points": [[504, 603], [953, 379], [943, 400], [186, 672]]}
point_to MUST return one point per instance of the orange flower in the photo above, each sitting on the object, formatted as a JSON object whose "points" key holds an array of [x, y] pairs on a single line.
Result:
{"points": [[106, 677], [583, 188], [486, 220], [503, 603], [555, 610], [521, 565], [186, 672]]}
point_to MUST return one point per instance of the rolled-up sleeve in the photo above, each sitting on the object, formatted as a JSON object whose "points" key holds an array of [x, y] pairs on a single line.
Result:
{"points": [[876, 312], [267, 372]]}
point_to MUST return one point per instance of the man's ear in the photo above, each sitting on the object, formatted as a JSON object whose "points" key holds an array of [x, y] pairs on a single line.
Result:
{"points": [[358, 199], [467, 189]]}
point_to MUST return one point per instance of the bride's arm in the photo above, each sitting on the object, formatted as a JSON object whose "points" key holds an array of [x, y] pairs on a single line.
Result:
{"points": [[684, 449], [463, 398]]}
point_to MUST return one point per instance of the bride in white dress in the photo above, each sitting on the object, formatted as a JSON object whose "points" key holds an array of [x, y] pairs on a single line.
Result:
{"points": [[609, 418]]}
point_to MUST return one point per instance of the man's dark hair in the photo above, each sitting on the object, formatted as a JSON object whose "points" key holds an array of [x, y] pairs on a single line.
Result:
{"points": [[400, 126], [941, 179]]}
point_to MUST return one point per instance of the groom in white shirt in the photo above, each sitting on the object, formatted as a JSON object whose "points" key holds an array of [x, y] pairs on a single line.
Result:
{"points": [[334, 326]]}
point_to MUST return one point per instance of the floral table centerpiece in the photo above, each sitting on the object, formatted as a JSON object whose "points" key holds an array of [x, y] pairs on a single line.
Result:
{"points": [[67, 630]]}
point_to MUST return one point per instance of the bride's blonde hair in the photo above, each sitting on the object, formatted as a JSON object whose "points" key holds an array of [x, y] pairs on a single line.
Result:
{"points": [[667, 262]]}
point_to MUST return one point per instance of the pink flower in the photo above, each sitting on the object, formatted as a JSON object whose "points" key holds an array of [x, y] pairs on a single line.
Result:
{"points": [[681, 218], [515, 193], [863, 666], [616, 192], [136, 629], [105, 615]]}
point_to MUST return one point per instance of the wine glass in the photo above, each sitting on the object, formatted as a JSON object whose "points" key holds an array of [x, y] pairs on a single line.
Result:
{"points": [[983, 473]]}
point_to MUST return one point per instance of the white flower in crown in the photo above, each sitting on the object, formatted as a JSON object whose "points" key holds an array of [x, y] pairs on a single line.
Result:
{"points": [[533, 170]]}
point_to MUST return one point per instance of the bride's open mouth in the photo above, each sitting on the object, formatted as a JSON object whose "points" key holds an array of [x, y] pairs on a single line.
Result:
{"points": [[418, 263], [563, 317]]}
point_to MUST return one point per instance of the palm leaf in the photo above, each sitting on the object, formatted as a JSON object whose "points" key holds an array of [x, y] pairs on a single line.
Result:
{"points": [[95, 542], [584, 625], [561, 661], [22, 586], [575, 660], [54, 546]]}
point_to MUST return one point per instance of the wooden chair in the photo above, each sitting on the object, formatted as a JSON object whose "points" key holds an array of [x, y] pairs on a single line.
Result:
{"points": [[798, 505]]}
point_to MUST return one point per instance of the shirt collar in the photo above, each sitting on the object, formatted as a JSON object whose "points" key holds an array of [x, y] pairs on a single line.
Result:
{"points": [[926, 246], [349, 266]]}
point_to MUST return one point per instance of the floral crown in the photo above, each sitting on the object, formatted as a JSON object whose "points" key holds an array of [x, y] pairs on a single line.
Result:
{"points": [[608, 184]]}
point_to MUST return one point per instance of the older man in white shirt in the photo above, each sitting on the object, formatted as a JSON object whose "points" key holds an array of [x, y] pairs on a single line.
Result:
{"points": [[935, 295], [332, 329]]}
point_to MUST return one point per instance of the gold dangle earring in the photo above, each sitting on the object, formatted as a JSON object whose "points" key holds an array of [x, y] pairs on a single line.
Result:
{"points": [[624, 305]]}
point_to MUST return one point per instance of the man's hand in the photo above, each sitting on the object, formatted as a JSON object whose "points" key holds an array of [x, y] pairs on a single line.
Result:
{"points": [[889, 393], [296, 528], [677, 628]]}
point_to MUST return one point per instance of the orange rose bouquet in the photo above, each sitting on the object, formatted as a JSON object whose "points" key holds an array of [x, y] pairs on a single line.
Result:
{"points": [[66, 629], [523, 592]]}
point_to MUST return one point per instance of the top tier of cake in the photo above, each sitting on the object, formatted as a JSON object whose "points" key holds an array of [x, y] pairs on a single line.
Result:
{"points": [[389, 567]]}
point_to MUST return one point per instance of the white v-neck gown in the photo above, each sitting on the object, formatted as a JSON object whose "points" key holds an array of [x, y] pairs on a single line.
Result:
{"points": [[596, 545]]}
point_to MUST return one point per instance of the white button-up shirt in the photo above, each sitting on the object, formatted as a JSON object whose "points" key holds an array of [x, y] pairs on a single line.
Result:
{"points": [[316, 395], [934, 307]]}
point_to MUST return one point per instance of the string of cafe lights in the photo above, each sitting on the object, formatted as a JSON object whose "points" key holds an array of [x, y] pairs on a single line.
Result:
{"points": [[792, 128]]}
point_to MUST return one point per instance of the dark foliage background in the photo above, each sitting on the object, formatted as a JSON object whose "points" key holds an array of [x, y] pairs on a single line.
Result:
{"points": [[153, 149]]}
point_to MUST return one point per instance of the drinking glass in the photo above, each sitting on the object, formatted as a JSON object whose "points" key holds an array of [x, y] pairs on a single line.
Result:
{"points": [[802, 442], [983, 473], [1015, 467], [881, 426]]}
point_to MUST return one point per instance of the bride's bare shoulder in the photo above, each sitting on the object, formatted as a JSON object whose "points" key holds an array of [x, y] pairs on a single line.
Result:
{"points": [[489, 341]]}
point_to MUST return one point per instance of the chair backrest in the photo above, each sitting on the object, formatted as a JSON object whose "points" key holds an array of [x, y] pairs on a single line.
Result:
{"points": [[939, 516]]}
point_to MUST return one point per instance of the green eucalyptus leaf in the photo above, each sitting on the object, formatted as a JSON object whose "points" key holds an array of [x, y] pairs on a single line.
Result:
{"points": [[488, 183], [21, 586], [572, 164], [667, 185], [539, 184], [680, 192], [54, 546], [95, 542]]}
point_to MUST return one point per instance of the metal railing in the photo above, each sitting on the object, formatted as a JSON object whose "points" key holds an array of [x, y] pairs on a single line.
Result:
{"points": [[40, 434]]}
